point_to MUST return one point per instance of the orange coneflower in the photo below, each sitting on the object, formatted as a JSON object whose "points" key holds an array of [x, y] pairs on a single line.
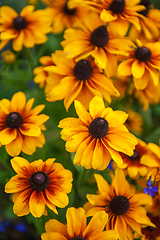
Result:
{"points": [[122, 203], [28, 28], [77, 227], [20, 126], [37, 185], [98, 135]]}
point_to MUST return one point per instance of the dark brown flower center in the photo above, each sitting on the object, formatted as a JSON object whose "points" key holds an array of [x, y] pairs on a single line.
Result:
{"points": [[14, 120], [98, 128], [69, 11], [39, 181], [119, 205], [78, 238], [83, 70], [147, 4], [135, 156], [143, 54], [100, 36], [19, 23], [117, 6]]}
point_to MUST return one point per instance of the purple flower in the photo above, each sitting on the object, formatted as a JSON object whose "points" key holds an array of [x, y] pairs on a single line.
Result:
{"points": [[150, 189]]}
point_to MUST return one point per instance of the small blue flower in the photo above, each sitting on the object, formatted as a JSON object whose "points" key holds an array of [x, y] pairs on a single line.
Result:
{"points": [[20, 227], [2, 228], [150, 189]]}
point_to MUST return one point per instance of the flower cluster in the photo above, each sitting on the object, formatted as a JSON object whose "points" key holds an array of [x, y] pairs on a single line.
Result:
{"points": [[102, 58]]}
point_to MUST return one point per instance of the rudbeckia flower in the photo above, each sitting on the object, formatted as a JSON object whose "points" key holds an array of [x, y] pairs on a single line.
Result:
{"points": [[93, 38], [28, 28], [62, 16], [80, 80], [143, 63], [37, 185], [8, 56], [77, 228], [150, 233], [150, 24], [123, 205], [20, 126], [120, 14], [42, 75], [97, 136], [132, 165], [148, 96]]}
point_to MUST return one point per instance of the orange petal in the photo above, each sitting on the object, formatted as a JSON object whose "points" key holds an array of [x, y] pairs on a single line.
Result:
{"points": [[21, 205], [37, 204], [8, 135], [18, 102], [74, 227]]}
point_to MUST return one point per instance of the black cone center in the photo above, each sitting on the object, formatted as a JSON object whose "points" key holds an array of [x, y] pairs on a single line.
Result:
{"points": [[98, 128], [100, 36], [119, 205], [117, 6], [39, 181], [19, 23], [143, 54], [14, 120], [83, 70]]}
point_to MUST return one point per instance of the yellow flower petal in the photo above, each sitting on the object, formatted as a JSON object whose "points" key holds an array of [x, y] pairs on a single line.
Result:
{"points": [[21, 205], [37, 203], [74, 227], [16, 104], [138, 68], [96, 107]]}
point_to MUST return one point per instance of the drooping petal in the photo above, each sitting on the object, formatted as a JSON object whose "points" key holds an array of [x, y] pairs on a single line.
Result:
{"points": [[37, 203], [21, 205], [14, 148], [7, 135]]}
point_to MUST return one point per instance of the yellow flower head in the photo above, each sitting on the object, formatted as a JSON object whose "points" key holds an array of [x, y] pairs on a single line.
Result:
{"points": [[42, 75], [37, 185], [92, 37], [98, 135], [77, 227], [20, 126], [150, 24], [123, 205], [62, 16], [148, 96], [133, 164], [120, 14], [28, 28], [8, 56], [80, 80], [143, 63], [150, 233]]}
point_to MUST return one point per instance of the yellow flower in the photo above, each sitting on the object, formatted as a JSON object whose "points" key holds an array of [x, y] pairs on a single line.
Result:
{"points": [[119, 14], [155, 207], [134, 122], [37, 185], [152, 158], [150, 233], [93, 38], [62, 16], [77, 227], [148, 96], [8, 56], [122, 203], [143, 63], [150, 24], [20, 126], [28, 28], [80, 80], [97, 136], [133, 164], [41, 74]]}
